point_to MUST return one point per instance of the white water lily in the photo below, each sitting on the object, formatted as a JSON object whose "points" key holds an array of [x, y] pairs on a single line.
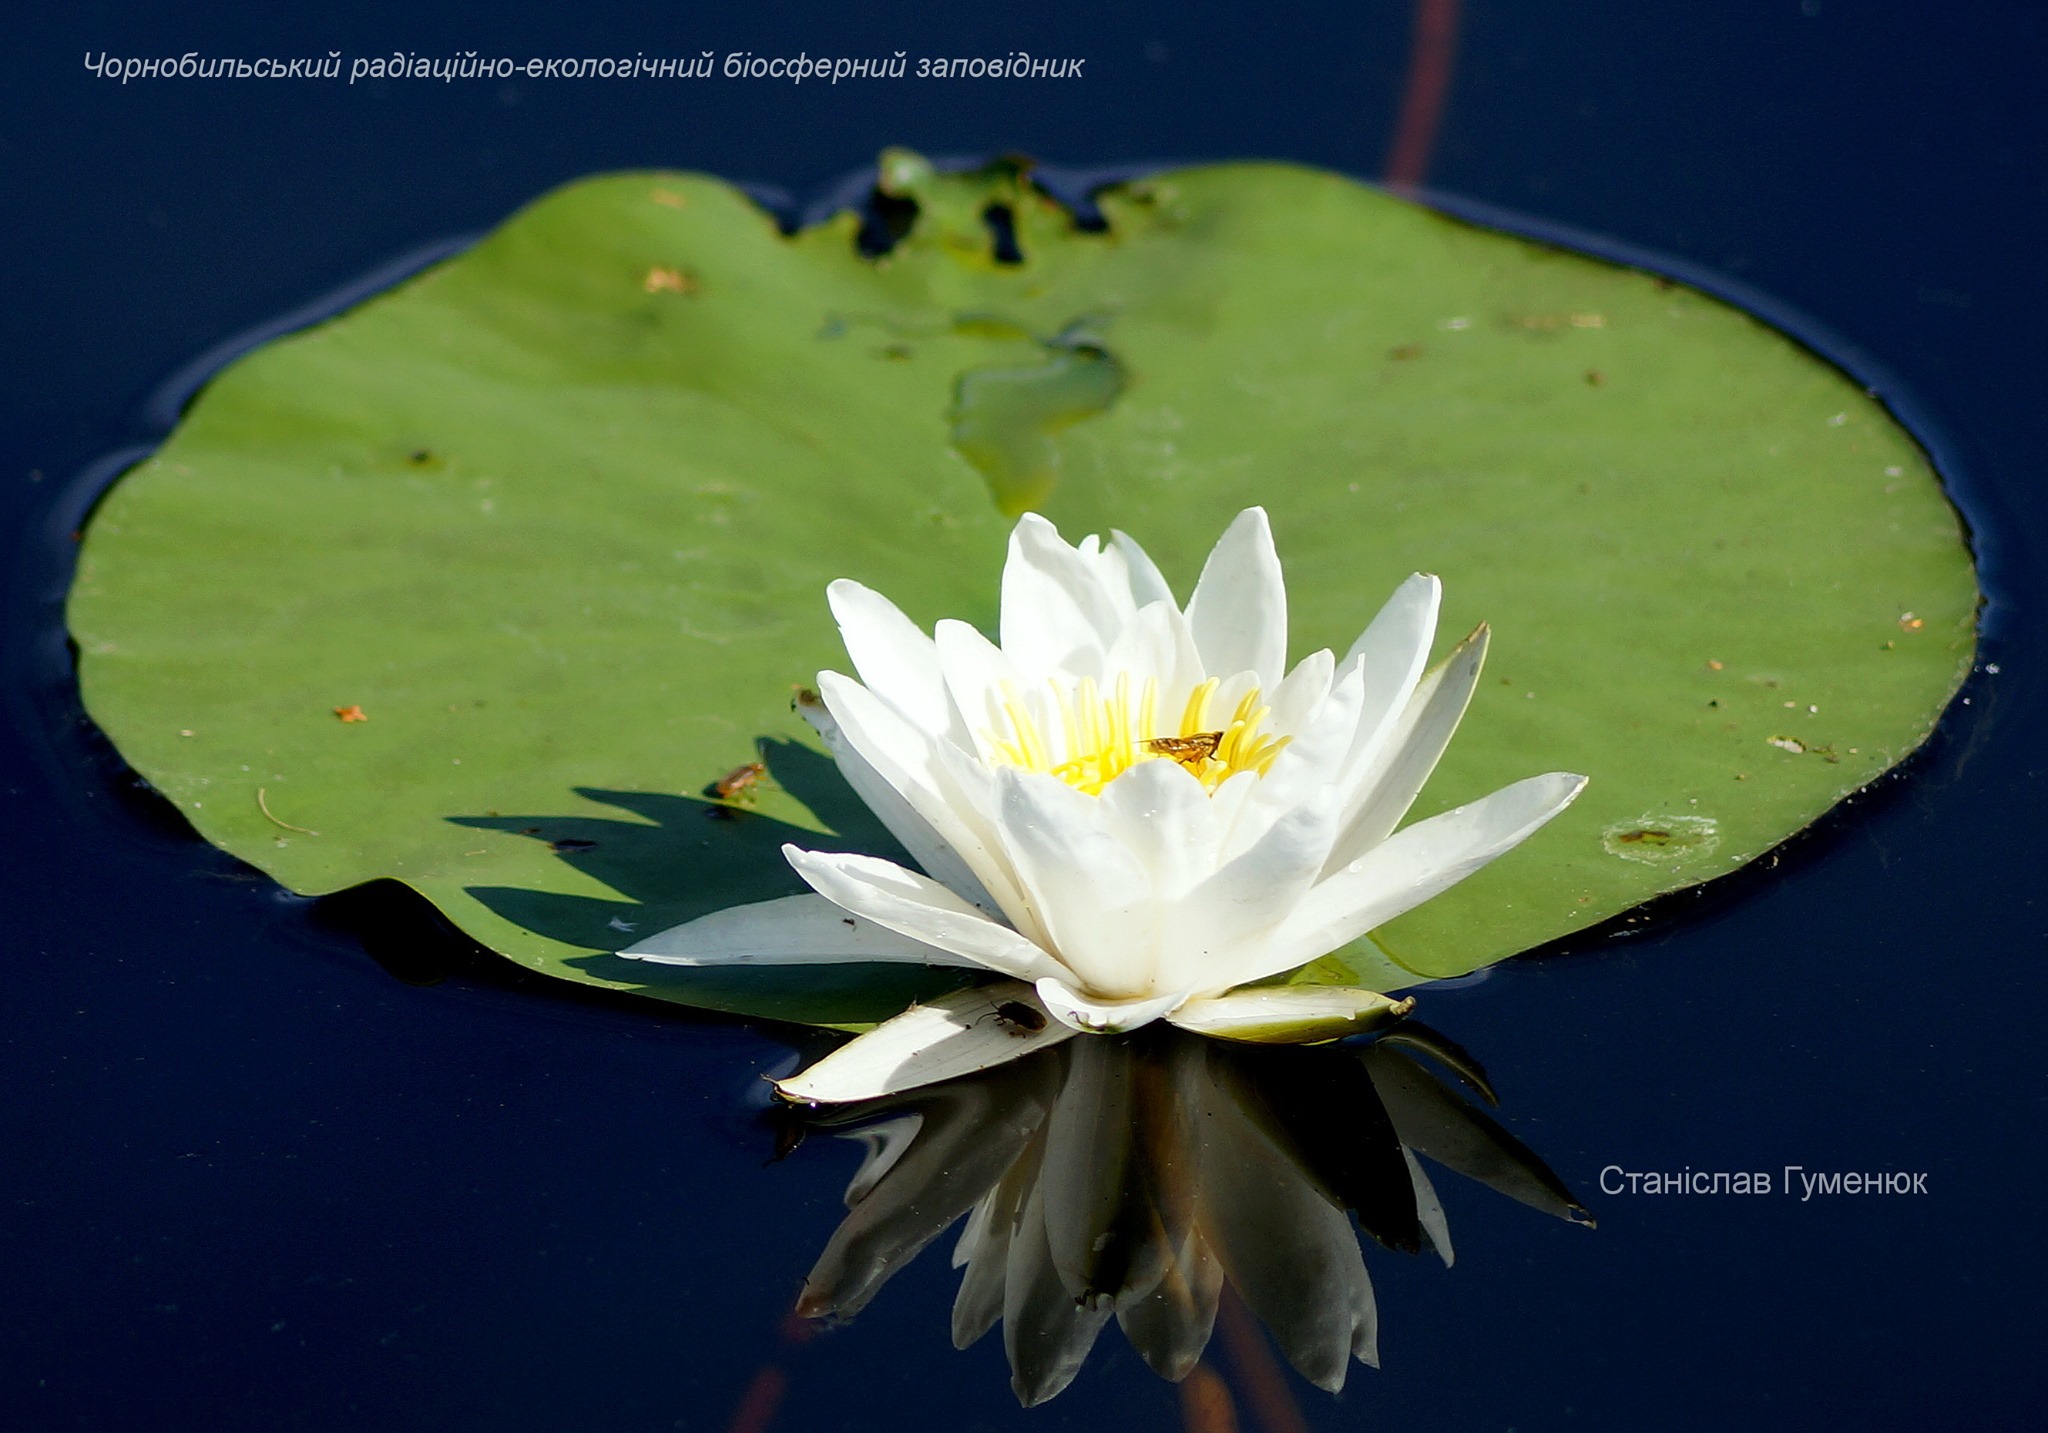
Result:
{"points": [[1130, 810]]}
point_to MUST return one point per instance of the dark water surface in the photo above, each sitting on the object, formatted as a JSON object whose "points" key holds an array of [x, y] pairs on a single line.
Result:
{"points": [[253, 1181]]}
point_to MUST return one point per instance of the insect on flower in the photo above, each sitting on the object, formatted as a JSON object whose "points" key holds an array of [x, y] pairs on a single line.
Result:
{"points": [[1187, 750]]}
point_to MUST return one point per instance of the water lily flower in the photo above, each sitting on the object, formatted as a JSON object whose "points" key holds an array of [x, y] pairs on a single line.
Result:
{"points": [[1130, 810]]}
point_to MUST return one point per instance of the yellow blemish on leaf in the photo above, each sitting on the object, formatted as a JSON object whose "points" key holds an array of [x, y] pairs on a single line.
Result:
{"points": [[663, 280]]}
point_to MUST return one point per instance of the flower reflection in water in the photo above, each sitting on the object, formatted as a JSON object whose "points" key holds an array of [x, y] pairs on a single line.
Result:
{"points": [[1130, 1178]]}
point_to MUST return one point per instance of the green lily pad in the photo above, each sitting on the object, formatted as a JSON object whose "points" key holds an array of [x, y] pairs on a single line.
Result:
{"points": [[555, 518]]}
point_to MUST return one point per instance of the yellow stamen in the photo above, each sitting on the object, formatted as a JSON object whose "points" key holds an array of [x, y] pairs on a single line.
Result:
{"points": [[1105, 735], [1025, 749]]}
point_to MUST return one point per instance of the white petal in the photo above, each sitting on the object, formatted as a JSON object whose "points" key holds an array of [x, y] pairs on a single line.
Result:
{"points": [[1147, 586], [976, 671], [1227, 803], [1056, 615], [1157, 643], [919, 768], [1288, 1014], [1091, 893], [1102, 1017], [795, 930], [1218, 935], [1306, 768], [1160, 812], [957, 1034], [1393, 651], [898, 751], [969, 788], [921, 908], [941, 859], [1382, 795], [894, 658], [1239, 610], [1417, 863], [1112, 573], [1301, 692]]}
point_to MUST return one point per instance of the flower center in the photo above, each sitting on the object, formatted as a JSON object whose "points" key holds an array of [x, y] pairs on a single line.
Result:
{"points": [[1103, 735]]}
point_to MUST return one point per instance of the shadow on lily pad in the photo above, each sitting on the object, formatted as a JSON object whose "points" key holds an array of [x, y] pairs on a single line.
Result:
{"points": [[678, 857]]}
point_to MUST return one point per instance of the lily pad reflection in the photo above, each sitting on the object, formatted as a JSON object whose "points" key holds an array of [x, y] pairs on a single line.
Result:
{"points": [[1133, 1179]]}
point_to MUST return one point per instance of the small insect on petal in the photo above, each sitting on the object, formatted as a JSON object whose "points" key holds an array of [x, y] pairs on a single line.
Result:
{"points": [[1018, 1018]]}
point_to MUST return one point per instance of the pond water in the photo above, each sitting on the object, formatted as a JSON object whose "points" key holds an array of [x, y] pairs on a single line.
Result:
{"points": [[274, 1166]]}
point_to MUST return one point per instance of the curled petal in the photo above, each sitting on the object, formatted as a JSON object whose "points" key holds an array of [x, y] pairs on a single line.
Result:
{"points": [[1434, 1122], [1429, 1210], [1102, 1017], [1289, 1014]]}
